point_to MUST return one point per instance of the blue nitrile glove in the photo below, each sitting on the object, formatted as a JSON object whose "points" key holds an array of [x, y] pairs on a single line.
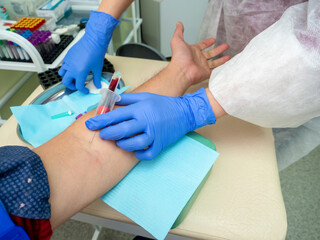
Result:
{"points": [[159, 121], [87, 55]]}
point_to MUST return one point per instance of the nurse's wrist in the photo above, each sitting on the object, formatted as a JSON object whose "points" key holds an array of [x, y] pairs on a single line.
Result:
{"points": [[114, 7], [215, 105]]}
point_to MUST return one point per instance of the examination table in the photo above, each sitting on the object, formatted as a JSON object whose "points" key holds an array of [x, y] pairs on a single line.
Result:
{"points": [[242, 197]]}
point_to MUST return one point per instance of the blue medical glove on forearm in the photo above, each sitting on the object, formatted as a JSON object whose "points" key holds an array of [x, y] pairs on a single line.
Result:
{"points": [[87, 55], [153, 121]]}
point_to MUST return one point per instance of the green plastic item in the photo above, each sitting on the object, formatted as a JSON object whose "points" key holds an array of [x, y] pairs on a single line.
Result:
{"points": [[207, 142], [64, 114]]}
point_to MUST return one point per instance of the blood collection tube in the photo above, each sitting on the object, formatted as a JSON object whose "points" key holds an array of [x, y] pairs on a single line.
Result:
{"points": [[8, 49], [4, 50], [25, 54], [50, 41], [42, 44], [108, 97], [19, 50], [14, 50], [1, 53]]}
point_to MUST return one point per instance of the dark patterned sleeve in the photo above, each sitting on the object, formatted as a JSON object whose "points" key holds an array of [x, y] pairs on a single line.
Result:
{"points": [[24, 188]]}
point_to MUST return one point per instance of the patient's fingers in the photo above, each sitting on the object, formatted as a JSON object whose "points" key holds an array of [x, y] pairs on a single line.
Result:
{"points": [[178, 32], [177, 35], [216, 51], [205, 43], [217, 62]]}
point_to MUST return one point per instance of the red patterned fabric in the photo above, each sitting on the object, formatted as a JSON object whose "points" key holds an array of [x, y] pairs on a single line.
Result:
{"points": [[37, 229]]}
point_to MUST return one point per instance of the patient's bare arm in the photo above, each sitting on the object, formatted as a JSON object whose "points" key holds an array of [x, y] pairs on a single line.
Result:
{"points": [[79, 172]]}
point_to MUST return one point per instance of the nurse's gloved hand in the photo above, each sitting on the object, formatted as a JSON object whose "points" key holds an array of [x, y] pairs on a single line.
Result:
{"points": [[87, 55], [151, 122]]}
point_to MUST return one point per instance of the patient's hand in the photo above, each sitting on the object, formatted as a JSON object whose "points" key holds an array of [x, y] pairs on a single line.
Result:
{"points": [[192, 60]]}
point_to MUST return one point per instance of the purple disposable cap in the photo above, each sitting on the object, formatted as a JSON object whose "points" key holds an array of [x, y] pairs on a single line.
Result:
{"points": [[80, 115]]}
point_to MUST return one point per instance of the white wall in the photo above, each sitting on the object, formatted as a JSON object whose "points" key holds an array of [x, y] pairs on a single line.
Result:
{"points": [[159, 20]]}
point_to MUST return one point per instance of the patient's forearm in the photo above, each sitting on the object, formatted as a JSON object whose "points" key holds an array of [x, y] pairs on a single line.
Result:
{"points": [[171, 81], [80, 172]]}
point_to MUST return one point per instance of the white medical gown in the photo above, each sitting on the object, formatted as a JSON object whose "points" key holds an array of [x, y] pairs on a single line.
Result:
{"points": [[274, 78]]}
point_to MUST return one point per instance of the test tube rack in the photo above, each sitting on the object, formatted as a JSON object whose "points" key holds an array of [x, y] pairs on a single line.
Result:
{"points": [[107, 66], [31, 23], [49, 51], [51, 77], [65, 40], [42, 41], [37, 63]]}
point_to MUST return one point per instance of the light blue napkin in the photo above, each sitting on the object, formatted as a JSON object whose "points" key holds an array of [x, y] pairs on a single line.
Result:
{"points": [[36, 124], [154, 193]]}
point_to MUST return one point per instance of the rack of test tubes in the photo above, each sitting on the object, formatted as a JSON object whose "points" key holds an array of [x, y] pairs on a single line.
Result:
{"points": [[51, 77], [41, 39], [29, 28], [27, 41], [30, 23]]}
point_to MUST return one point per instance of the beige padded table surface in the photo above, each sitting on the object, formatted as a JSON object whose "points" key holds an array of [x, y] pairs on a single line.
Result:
{"points": [[242, 198]]}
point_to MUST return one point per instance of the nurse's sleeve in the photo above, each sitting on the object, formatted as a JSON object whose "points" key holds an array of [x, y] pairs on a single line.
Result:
{"points": [[275, 80]]}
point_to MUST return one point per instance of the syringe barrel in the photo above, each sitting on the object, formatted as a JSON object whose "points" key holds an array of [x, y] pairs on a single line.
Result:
{"points": [[107, 101]]}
